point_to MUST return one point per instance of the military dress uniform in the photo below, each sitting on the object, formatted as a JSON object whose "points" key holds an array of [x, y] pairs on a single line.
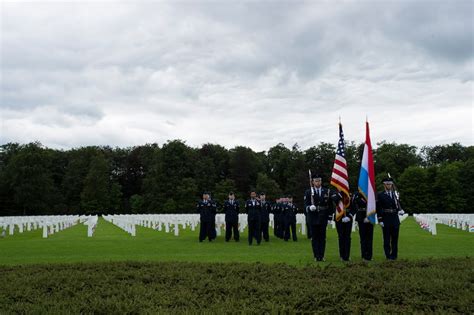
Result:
{"points": [[207, 210], [213, 222], [231, 210], [387, 214], [289, 219], [366, 228], [344, 230], [277, 220], [265, 219], [253, 209], [319, 217], [309, 231]]}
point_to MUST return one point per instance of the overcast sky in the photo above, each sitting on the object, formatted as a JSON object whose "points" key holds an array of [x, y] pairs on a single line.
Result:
{"points": [[251, 73]]}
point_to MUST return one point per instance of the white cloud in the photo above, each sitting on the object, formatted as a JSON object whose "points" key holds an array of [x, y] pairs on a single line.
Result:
{"points": [[255, 74]]}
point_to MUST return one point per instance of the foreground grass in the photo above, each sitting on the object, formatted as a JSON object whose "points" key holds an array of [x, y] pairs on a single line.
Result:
{"points": [[423, 286], [110, 243]]}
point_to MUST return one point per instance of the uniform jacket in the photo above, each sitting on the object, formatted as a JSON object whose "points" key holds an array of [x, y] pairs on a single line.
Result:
{"points": [[266, 210], [207, 210], [231, 210], [253, 209], [323, 203], [387, 209], [289, 213]]}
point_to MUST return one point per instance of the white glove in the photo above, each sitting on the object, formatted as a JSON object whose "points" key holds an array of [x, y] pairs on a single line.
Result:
{"points": [[366, 220], [346, 219], [381, 224], [401, 212], [312, 208]]}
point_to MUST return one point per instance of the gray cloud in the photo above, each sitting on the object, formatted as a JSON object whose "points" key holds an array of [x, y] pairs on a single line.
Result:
{"points": [[246, 73]]}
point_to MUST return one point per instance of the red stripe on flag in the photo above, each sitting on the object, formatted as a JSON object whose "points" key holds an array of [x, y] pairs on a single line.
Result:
{"points": [[340, 163], [343, 186], [338, 172]]}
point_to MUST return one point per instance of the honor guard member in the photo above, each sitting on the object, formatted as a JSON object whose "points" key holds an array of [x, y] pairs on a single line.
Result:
{"points": [[309, 232], [213, 222], [277, 219], [253, 209], [265, 216], [388, 209], [319, 206], [344, 230], [207, 210], [231, 210], [289, 218], [366, 228]]}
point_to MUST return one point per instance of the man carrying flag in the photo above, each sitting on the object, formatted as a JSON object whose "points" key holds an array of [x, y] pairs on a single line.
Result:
{"points": [[340, 180], [364, 200]]}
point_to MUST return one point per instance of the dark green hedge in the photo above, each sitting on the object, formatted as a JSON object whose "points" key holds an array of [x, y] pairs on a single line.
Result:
{"points": [[429, 286]]}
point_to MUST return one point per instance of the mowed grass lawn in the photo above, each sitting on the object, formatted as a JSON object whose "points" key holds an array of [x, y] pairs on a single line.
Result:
{"points": [[156, 272], [110, 243]]}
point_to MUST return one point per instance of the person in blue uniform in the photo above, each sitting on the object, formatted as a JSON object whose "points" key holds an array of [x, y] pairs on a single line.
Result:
{"points": [[320, 209], [265, 216], [207, 210], [388, 210], [309, 231], [277, 219], [289, 218], [213, 222], [344, 230], [231, 210], [366, 228], [253, 209]]}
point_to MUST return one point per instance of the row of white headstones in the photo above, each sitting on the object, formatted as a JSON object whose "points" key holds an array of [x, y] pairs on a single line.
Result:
{"points": [[175, 222], [128, 223], [428, 221], [49, 223]]}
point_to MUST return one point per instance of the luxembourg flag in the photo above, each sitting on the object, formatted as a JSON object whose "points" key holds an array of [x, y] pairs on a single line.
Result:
{"points": [[367, 176]]}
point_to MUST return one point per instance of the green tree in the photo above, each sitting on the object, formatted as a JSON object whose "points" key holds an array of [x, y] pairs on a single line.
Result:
{"points": [[448, 188], [415, 190], [244, 167], [205, 173], [223, 187], [298, 177], [170, 206], [75, 173], [31, 181], [467, 188], [439, 154], [136, 204], [278, 159], [186, 195], [154, 188], [94, 195], [394, 159], [269, 186], [219, 156], [320, 159]]}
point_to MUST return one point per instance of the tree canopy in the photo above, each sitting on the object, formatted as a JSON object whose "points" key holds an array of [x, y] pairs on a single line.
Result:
{"points": [[170, 178]]}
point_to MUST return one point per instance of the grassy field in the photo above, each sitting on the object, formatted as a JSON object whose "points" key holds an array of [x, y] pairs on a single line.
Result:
{"points": [[110, 243], [156, 272]]}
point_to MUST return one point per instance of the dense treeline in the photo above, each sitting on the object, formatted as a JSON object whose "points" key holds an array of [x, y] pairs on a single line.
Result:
{"points": [[169, 178]]}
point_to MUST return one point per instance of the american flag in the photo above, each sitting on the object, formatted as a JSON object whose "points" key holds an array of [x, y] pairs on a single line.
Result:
{"points": [[339, 177]]}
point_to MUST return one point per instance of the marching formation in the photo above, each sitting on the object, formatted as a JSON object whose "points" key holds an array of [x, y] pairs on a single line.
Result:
{"points": [[320, 204]]}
